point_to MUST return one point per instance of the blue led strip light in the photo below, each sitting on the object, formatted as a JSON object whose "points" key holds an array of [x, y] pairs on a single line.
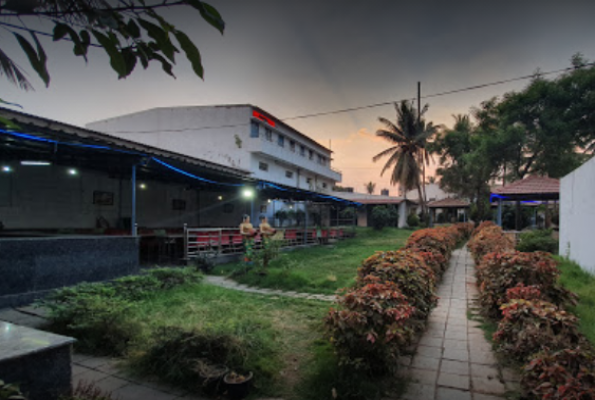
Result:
{"points": [[171, 167]]}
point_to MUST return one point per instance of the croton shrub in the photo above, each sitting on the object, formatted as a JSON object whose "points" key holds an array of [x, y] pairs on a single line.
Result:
{"points": [[488, 240], [372, 325], [530, 326], [392, 297], [562, 374], [499, 272], [408, 271]]}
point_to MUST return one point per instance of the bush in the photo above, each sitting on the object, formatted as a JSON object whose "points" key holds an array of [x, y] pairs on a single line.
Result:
{"points": [[380, 217], [563, 374], [408, 271], [372, 327], [176, 354], [10, 391], [412, 220], [88, 391], [538, 240], [487, 240], [528, 327], [442, 240], [95, 316], [499, 272], [522, 292]]}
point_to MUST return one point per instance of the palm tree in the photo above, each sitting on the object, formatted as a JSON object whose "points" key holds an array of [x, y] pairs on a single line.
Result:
{"points": [[370, 187], [408, 155]]}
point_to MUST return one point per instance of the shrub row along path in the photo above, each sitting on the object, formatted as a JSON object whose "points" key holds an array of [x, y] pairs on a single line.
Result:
{"points": [[230, 284], [453, 359]]}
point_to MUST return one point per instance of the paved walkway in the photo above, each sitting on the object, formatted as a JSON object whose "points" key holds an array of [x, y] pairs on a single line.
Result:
{"points": [[230, 284], [453, 359]]}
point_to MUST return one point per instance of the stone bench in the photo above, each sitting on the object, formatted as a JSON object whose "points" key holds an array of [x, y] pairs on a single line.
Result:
{"points": [[38, 361]]}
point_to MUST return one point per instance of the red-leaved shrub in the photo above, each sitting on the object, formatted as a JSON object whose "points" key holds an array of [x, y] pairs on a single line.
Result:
{"points": [[488, 240], [567, 374], [528, 327], [408, 271], [371, 327], [499, 272]]}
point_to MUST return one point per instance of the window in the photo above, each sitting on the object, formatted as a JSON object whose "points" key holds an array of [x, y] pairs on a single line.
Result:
{"points": [[263, 208], [323, 160], [303, 151], [263, 166], [320, 159], [254, 129], [311, 154], [289, 174], [292, 145], [268, 134], [281, 140], [308, 180], [324, 185]]}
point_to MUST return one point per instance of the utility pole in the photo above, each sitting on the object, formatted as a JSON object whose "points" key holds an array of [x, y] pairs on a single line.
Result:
{"points": [[423, 163]]}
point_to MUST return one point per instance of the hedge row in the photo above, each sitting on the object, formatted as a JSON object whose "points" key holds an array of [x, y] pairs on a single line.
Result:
{"points": [[521, 291], [391, 299]]}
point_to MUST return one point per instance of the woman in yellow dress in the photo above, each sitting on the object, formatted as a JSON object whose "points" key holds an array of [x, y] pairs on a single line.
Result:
{"points": [[248, 232], [266, 230]]}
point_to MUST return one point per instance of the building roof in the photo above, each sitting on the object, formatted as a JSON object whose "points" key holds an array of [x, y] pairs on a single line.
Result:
{"points": [[533, 187], [46, 128], [365, 198], [268, 114], [449, 203]]}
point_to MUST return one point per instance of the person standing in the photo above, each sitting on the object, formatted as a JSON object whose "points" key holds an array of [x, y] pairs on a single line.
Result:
{"points": [[248, 233]]}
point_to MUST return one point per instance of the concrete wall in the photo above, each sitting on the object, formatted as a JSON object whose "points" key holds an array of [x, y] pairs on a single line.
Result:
{"points": [[577, 215]]}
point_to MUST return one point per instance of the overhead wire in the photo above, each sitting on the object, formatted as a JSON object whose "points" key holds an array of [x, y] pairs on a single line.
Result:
{"points": [[375, 105]]}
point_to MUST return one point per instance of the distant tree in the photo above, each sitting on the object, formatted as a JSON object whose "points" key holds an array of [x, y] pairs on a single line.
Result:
{"points": [[408, 155], [466, 165], [370, 187], [431, 180], [129, 31]]}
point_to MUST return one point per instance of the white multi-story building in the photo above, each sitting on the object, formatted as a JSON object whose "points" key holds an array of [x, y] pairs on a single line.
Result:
{"points": [[242, 136]]}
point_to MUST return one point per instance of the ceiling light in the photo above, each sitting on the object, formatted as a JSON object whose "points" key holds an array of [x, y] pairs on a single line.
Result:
{"points": [[142, 186], [72, 171], [220, 197], [38, 163], [6, 168], [248, 193]]}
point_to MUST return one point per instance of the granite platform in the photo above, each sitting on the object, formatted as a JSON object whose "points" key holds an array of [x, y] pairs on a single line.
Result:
{"points": [[38, 361]]}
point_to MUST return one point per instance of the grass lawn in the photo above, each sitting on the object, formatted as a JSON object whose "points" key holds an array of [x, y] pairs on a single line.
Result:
{"points": [[321, 269], [582, 283], [279, 332]]}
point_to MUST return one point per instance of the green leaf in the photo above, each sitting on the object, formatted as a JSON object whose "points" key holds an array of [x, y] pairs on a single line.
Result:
{"points": [[116, 59], [130, 59], [161, 37], [133, 29], [209, 13], [60, 30], [167, 67], [191, 51], [37, 61]]}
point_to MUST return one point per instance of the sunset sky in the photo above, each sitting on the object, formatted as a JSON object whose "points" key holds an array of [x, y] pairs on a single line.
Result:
{"points": [[299, 57]]}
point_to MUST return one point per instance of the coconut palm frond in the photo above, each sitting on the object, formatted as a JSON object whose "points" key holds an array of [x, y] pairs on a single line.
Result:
{"points": [[384, 153], [391, 127], [13, 72], [391, 161], [393, 137]]}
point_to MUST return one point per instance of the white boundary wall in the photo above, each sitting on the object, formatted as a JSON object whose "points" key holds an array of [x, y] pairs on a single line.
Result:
{"points": [[577, 216]]}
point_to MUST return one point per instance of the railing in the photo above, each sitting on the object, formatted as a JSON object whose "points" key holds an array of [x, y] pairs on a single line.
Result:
{"points": [[200, 242]]}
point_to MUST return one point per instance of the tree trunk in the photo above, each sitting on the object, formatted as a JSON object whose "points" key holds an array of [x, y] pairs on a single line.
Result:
{"points": [[422, 203]]}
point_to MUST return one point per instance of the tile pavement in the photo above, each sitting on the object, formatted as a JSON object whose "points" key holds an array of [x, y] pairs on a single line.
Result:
{"points": [[453, 359]]}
